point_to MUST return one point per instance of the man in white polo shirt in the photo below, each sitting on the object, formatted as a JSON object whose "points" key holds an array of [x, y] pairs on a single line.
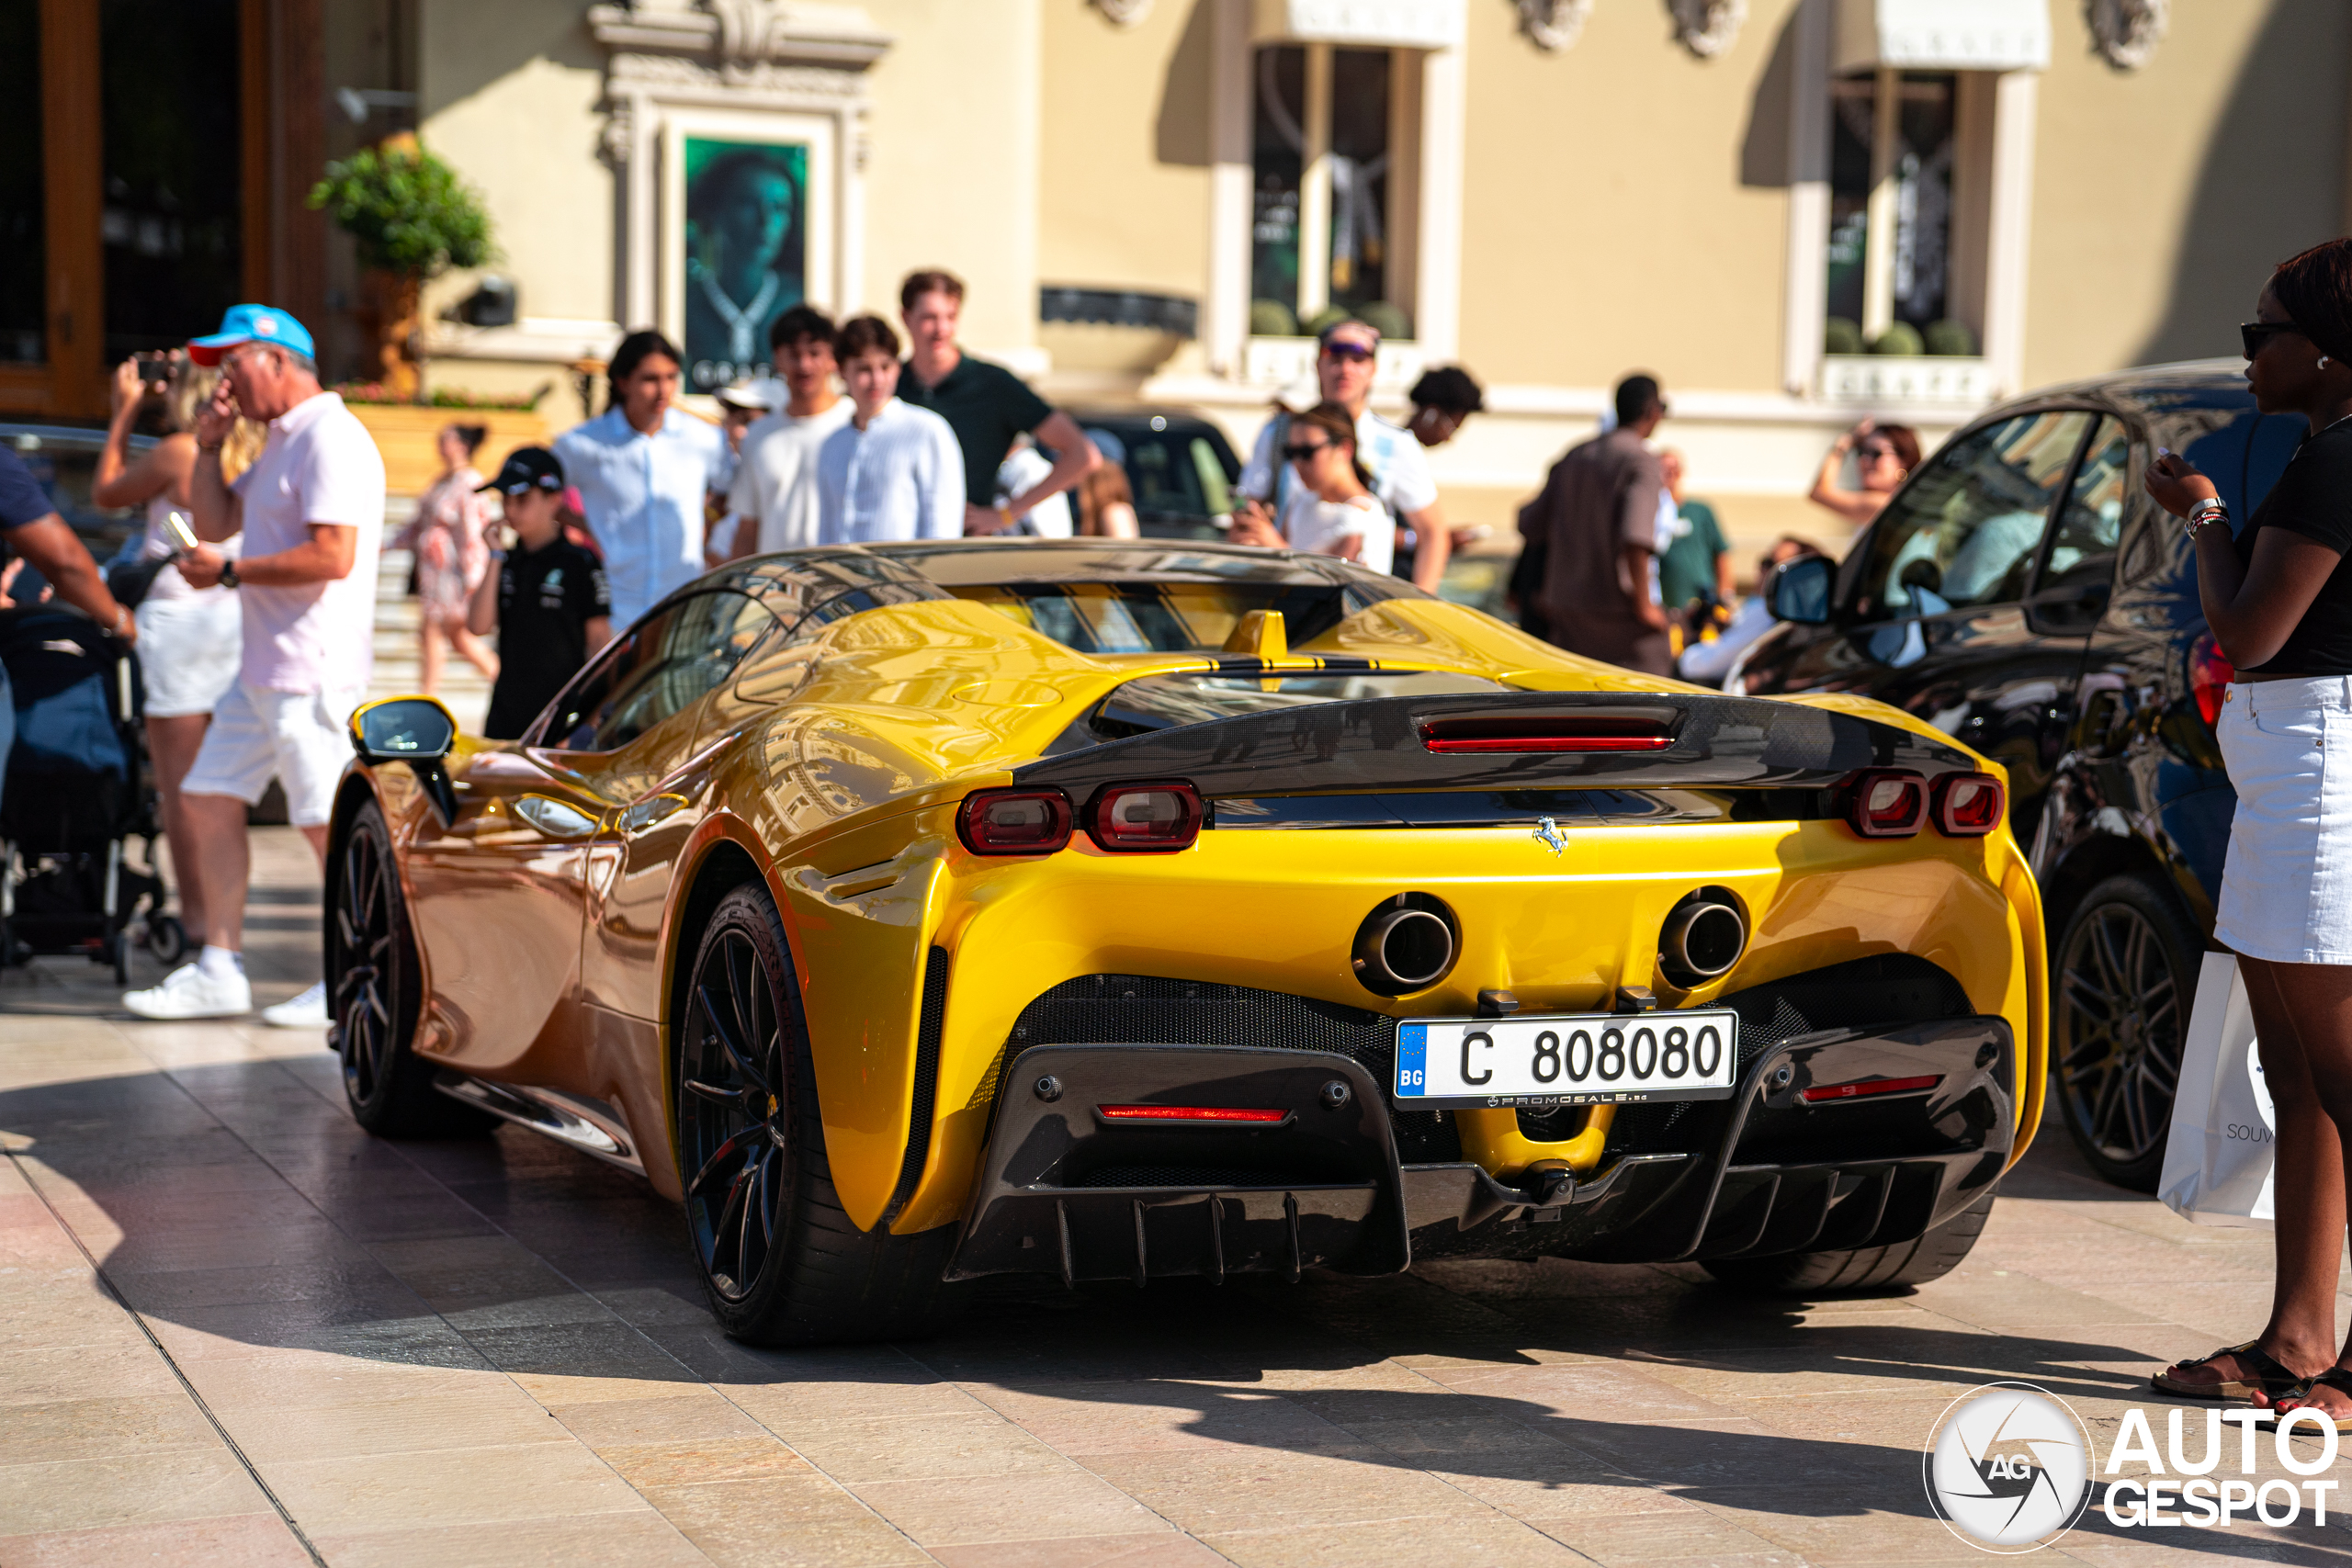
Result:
{"points": [[311, 509]]}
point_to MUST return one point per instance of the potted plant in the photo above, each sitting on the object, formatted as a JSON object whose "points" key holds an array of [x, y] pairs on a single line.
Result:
{"points": [[413, 220]]}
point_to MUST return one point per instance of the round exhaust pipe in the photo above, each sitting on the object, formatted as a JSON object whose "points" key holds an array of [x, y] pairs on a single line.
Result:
{"points": [[1405, 944], [1703, 937]]}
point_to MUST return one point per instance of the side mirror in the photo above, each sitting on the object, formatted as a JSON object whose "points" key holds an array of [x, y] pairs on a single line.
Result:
{"points": [[415, 730], [1798, 591]]}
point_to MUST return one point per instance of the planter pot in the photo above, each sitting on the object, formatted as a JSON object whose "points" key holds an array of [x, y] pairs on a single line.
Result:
{"points": [[406, 434]]}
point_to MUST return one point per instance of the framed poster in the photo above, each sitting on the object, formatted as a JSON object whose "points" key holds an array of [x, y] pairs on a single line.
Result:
{"points": [[747, 234]]}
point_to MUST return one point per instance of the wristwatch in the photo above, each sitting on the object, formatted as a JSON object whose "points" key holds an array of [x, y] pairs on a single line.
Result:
{"points": [[229, 574]]}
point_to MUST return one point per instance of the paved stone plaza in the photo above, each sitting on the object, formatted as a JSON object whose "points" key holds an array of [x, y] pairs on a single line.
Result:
{"points": [[235, 1329]]}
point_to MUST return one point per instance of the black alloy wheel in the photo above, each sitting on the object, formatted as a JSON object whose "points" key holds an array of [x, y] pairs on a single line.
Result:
{"points": [[782, 1263], [2125, 976], [375, 994], [734, 1114]]}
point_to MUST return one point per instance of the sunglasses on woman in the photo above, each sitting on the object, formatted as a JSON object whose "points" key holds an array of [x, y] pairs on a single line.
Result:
{"points": [[2254, 334], [1305, 452], [1874, 453]]}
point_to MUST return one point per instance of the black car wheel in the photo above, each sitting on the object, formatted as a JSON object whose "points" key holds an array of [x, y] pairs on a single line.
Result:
{"points": [[1864, 1270], [375, 994], [2125, 976], [781, 1263]]}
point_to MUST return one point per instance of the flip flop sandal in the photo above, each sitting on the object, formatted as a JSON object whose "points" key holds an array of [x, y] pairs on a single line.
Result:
{"points": [[2335, 1377], [2271, 1379]]}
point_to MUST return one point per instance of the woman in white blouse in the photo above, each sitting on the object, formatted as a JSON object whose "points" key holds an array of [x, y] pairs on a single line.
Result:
{"points": [[1342, 517]]}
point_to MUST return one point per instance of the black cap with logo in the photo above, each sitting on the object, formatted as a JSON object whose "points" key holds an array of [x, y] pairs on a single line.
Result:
{"points": [[528, 467]]}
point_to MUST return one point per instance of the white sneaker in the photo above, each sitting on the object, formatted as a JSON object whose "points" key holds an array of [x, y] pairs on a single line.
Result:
{"points": [[188, 992], [308, 1010]]}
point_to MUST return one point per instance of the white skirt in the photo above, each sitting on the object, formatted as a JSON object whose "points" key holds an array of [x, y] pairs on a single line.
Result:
{"points": [[188, 652], [2287, 886]]}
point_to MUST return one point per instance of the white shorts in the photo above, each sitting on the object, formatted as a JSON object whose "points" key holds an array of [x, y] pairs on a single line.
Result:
{"points": [[297, 738], [2286, 886], [188, 652]]}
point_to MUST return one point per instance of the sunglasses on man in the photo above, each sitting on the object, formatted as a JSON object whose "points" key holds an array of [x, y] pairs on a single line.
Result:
{"points": [[2254, 334], [1356, 351]]}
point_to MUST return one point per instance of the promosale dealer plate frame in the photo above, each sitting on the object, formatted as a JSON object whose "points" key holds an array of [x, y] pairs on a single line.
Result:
{"points": [[1604, 1058]]}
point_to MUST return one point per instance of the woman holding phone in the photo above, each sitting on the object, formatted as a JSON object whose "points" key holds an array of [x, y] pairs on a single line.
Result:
{"points": [[189, 639], [2278, 597]]}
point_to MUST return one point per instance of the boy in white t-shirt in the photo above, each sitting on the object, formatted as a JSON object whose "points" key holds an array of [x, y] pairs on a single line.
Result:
{"points": [[312, 510]]}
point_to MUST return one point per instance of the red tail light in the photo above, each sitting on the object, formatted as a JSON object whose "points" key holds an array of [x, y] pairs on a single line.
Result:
{"points": [[1859, 1090], [1594, 734], [1968, 806], [1886, 802], [1189, 1114], [2209, 674], [1013, 821], [1151, 817]]}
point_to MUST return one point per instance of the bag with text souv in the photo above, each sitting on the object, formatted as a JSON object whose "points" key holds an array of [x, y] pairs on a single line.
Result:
{"points": [[2218, 1156]]}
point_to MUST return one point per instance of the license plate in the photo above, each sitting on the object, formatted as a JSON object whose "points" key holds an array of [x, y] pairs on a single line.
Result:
{"points": [[1567, 1059]]}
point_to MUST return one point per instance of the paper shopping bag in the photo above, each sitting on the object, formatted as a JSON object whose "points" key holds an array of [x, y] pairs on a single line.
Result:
{"points": [[2218, 1153]]}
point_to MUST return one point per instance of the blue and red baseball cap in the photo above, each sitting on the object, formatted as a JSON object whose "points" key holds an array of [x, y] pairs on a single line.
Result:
{"points": [[252, 324]]}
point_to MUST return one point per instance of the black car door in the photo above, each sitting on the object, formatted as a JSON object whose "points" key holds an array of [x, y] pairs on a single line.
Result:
{"points": [[1938, 607]]}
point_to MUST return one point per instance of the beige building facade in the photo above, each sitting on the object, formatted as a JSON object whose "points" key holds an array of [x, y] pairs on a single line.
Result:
{"points": [[1152, 199]]}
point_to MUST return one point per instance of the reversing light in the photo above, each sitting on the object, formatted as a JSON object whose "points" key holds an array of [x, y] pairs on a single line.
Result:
{"points": [[1013, 821], [1218, 1113], [1886, 802], [1145, 819], [1581, 733], [1825, 1092], [2209, 674], [1968, 806]]}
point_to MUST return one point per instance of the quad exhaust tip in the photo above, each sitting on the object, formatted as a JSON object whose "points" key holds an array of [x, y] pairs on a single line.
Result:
{"points": [[1703, 938], [1405, 944]]}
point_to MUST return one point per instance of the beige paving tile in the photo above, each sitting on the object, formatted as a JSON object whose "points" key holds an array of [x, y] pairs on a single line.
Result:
{"points": [[699, 1416], [449, 1486], [1155, 1549], [726, 1518], [121, 1489], [606, 1541], [1634, 1540], [862, 1542], [1091, 1419], [1490, 1541], [471, 1417], [43, 1377], [901, 1448], [98, 1429], [648, 1466], [961, 1511], [250, 1541], [1267, 1489]]}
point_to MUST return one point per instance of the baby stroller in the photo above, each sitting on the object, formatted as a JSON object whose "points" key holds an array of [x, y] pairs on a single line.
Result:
{"points": [[78, 790]]}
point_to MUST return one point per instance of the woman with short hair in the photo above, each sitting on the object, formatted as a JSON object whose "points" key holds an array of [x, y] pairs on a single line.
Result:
{"points": [[2278, 598]]}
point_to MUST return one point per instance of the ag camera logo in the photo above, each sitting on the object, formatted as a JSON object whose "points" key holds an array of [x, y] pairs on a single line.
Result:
{"points": [[2007, 1468]]}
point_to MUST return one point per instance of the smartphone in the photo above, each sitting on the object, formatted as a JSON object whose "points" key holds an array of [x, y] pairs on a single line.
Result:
{"points": [[155, 370], [175, 525]]}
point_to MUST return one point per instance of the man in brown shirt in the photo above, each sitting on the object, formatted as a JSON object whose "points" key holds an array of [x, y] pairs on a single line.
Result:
{"points": [[1595, 524]]}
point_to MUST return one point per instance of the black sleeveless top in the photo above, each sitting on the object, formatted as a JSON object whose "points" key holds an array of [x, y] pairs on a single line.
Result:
{"points": [[2313, 498]]}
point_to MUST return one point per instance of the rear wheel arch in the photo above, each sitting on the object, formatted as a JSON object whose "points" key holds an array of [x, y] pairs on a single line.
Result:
{"points": [[2093, 861]]}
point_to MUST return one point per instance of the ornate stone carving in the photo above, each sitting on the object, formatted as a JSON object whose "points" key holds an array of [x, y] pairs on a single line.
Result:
{"points": [[1125, 13], [1707, 27], [1552, 25], [2126, 32]]}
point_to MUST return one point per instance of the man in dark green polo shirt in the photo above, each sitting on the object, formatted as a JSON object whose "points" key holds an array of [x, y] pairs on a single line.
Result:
{"points": [[988, 406]]}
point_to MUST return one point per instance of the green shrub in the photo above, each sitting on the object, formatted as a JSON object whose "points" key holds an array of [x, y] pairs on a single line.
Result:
{"points": [[1948, 336], [1902, 338], [1271, 318], [407, 210], [1389, 319], [1323, 320], [1839, 335]]}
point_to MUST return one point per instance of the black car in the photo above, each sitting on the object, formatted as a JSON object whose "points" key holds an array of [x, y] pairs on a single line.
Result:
{"points": [[2022, 595], [1180, 468]]}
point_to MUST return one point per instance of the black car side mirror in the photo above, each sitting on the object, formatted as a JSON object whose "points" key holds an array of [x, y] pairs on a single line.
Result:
{"points": [[415, 730], [1798, 591]]}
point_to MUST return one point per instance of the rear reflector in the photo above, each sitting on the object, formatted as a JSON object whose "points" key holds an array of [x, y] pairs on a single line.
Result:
{"points": [[1186, 1113], [1968, 806], [1149, 818], [1876, 1086], [1013, 821], [1590, 734], [1886, 802]]}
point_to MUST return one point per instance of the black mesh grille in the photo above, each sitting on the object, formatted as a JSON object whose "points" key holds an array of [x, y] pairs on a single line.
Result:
{"points": [[1892, 988], [1141, 1009]]}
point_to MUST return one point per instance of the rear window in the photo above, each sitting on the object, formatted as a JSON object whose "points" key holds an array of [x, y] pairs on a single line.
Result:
{"points": [[1166, 617], [1162, 702]]}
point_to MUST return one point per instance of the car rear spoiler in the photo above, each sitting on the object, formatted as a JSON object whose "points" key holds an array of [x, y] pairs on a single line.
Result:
{"points": [[1535, 740]]}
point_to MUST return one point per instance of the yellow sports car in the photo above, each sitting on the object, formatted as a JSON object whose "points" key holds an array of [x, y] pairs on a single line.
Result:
{"points": [[1112, 909]]}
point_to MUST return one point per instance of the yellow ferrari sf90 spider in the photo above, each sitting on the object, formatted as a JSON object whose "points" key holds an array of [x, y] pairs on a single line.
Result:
{"points": [[1117, 910]]}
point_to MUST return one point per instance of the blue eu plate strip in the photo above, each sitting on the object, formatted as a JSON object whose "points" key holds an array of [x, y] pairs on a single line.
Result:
{"points": [[1412, 1057]]}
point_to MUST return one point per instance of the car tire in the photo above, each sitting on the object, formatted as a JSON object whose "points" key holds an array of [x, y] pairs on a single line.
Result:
{"points": [[2122, 975], [781, 1262], [1863, 1271], [375, 994]]}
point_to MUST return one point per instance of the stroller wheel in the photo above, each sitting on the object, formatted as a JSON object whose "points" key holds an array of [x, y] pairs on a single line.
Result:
{"points": [[167, 940], [122, 958]]}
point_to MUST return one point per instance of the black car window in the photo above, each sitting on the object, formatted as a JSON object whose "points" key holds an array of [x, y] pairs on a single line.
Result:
{"points": [[2090, 525], [1173, 472], [664, 662], [1966, 531]]}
